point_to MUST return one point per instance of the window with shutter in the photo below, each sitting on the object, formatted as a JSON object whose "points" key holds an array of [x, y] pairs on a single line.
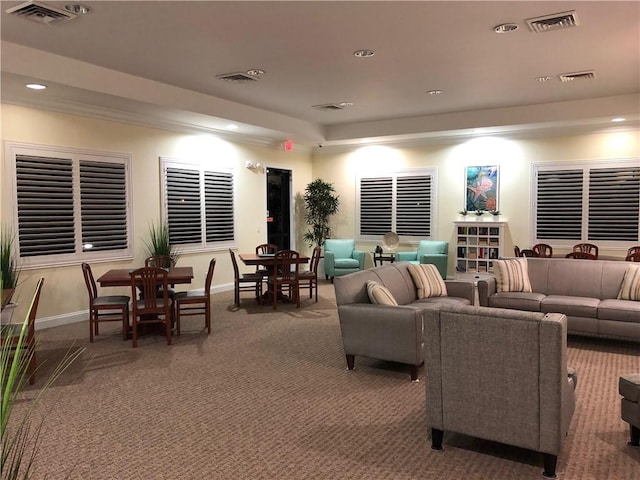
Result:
{"points": [[401, 202], [199, 205], [70, 206], [588, 202]]}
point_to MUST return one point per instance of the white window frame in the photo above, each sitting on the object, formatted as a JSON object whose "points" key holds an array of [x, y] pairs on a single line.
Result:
{"points": [[585, 166], [14, 149], [411, 172], [201, 168]]}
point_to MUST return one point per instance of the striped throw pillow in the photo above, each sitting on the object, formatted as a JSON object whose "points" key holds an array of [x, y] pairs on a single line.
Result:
{"points": [[380, 294], [630, 288], [428, 280], [512, 275]]}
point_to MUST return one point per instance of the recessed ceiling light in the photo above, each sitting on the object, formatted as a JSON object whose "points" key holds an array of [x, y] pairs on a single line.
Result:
{"points": [[364, 53], [77, 8], [618, 119], [255, 72], [434, 92], [232, 126], [505, 27], [543, 79], [36, 86]]}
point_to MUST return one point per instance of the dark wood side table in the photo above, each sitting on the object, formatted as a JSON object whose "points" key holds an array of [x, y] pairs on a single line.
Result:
{"points": [[383, 257]]}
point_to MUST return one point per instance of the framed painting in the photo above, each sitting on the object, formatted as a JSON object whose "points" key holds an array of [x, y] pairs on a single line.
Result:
{"points": [[481, 188]]}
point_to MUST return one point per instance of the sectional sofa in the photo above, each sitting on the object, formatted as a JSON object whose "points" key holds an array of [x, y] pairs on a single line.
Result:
{"points": [[585, 291]]}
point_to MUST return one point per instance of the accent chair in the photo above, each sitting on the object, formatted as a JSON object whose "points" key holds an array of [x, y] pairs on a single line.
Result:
{"points": [[341, 258], [435, 252]]}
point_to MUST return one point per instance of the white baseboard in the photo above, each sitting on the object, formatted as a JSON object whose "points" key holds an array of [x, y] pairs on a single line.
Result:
{"points": [[83, 315]]}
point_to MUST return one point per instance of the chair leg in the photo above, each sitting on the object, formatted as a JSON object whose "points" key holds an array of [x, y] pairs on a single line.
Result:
{"points": [[351, 359], [634, 436], [316, 282], [168, 329], [178, 319], [207, 316], [125, 323], [90, 326], [436, 439], [236, 295], [134, 332], [550, 462]]}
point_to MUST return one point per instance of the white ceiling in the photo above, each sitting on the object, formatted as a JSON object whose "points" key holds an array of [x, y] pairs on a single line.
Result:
{"points": [[156, 63]]}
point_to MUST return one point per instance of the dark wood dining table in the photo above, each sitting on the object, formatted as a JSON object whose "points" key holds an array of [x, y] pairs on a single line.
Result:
{"points": [[268, 261], [120, 277]]}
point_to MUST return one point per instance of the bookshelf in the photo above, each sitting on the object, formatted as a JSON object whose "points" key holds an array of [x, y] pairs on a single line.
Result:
{"points": [[477, 244]]}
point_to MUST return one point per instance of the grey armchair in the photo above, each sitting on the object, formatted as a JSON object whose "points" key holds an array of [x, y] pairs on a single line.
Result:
{"points": [[341, 257], [629, 388], [499, 375], [435, 252]]}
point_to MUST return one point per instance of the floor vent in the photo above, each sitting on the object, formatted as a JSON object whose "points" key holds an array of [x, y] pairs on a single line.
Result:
{"points": [[238, 77], [41, 13], [555, 21], [570, 77]]}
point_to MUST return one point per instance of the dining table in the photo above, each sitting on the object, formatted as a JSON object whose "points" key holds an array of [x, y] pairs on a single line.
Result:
{"points": [[268, 261], [121, 277]]}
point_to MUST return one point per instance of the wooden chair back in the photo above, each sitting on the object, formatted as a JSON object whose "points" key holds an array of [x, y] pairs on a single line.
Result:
{"points": [[581, 255], [542, 250], [633, 254], [527, 252], [516, 251], [151, 307], [89, 282], [586, 248]]}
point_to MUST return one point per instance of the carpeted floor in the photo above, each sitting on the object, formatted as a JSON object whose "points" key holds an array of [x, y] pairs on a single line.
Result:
{"points": [[267, 396]]}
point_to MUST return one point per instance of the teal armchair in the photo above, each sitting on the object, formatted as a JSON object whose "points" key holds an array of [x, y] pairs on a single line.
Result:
{"points": [[429, 251], [341, 257]]}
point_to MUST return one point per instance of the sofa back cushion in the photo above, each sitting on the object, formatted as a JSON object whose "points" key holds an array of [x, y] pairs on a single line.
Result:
{"points": [[341, 248], [432, 246]]}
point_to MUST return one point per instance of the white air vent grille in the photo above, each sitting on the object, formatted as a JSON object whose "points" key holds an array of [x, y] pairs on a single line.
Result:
{"points": [[238, 77], [41, 13], [555, 21], [570, 77]]}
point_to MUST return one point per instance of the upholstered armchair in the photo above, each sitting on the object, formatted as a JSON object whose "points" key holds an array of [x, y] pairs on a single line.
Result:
{"points": [[341, 257], [435, 252]]}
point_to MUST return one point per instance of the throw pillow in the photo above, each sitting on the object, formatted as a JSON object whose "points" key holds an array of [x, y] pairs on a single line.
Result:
{"points": [[428, 280], [379, 294], [630, 288], [512, 275]]}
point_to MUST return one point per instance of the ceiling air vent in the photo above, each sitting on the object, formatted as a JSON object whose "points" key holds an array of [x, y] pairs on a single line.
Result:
{"points": [[555, 21], [570, 77], [41, 13], [333, 106], [237, 77]]}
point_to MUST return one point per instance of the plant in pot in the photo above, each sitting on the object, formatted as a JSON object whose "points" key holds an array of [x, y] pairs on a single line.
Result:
{"points": [[8, 264], [158, 242], [320, 203]]}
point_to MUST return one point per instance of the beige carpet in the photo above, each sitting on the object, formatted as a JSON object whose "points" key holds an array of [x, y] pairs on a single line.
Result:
{"points": [[267, 396]]}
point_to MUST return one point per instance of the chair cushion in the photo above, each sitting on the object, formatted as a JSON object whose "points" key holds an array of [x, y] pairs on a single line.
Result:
{"points": [[346, 263], [630, 288], [110, 300], [512, 275], [428, 281], [197, 293], [379, 294]]}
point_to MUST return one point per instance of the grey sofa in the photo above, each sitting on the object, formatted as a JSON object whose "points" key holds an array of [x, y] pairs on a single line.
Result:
{"points": [[499, 375], [584, 290], [388, 332]]}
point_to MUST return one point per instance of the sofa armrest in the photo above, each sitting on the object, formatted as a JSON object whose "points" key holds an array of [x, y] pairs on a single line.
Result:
{"points": [[329, 263], [388, 332], [486, 288], [457, 288], [359, 255], [406, 256]]}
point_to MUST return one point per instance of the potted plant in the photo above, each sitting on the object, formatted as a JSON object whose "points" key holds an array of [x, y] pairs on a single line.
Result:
{"points": [[158, 242], [495, 213], [8, 264], [320, 203]]}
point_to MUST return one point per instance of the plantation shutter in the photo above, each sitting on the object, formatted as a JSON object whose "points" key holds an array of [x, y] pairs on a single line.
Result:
{"points": [[413, 206], [559, 204], [614, 201], [184, 205], [376, 205], [45, 205], [218, 187], [103, 208]]}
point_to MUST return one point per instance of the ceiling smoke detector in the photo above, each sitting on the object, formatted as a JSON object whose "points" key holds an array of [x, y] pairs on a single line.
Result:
{"points": [[40, 13], [570, 77], [556, 21], [333, 106]]}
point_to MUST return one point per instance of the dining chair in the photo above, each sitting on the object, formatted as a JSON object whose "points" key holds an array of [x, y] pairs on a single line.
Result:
{"points": [[150, 309], [527, 252], [586, 248], [28, 342], [264, 249], [543, 250], [104, 308], [285, 275], [516, 251], [244, 282], [310, 277], [581, 255], [161, 261], [196, 302], [633, 254]]}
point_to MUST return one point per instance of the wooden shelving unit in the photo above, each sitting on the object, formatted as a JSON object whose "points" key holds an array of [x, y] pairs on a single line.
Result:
{"points": [[477, 244]]}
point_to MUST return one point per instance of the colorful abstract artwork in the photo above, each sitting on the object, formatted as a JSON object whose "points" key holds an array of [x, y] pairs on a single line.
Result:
{"points": [[481, 188]]}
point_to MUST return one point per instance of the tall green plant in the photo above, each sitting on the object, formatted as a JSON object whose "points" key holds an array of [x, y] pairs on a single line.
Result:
{"points": [[320, 203], [8, 263], [158, 241]]}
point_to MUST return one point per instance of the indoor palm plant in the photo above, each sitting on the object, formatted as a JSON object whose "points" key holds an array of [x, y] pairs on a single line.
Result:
{"points": [[8, 263], [320, 203], [158, 242]]}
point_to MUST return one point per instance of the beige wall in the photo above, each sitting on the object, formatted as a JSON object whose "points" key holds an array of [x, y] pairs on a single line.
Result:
{"points": [[64, 291], [514, 157]]}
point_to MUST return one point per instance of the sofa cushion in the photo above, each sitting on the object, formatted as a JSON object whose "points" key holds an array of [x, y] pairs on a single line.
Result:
{"points": [[570, 306], [529, 301], [630, 288], [443, 301], [512, 275], [428, 281], [629, 386], [379, 294], [620, 310]]}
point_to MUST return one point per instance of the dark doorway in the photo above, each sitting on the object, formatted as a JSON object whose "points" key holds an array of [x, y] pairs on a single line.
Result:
{"points": [[279, 207]]}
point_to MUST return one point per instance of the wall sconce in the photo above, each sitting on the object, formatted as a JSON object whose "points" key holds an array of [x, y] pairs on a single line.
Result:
{"points": [[252, 166]]}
